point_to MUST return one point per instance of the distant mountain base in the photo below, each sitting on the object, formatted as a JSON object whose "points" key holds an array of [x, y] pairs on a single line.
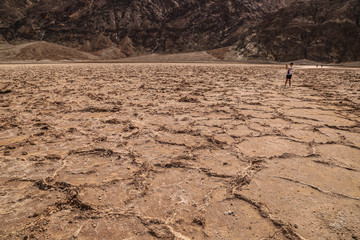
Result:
{"points": [[50, 52]]}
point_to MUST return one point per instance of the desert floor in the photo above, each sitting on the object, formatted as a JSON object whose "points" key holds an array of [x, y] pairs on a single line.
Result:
{"points": [[179, 151]]}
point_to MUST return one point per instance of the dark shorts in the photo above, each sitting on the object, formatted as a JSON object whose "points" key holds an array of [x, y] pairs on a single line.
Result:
{"points": [[288, 76]]}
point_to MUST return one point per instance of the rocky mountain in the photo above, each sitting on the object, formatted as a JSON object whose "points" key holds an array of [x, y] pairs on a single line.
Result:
{"points": [[326, 30], [270, 29], [13, 10]]}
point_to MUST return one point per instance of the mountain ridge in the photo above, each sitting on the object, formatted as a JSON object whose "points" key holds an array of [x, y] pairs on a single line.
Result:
{"points": [[251, 29]]}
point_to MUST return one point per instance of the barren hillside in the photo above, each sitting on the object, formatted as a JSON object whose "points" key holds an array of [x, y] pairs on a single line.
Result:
{"points": [[322, 30]]}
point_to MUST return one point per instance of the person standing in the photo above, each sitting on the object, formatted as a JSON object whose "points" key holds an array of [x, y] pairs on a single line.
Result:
{"points": [[289, 74]]}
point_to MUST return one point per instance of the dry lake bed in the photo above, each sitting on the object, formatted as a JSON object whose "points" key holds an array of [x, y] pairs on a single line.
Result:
{"points": [[179, 151]]}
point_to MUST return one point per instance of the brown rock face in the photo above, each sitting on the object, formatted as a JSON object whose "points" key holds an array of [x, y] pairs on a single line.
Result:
{"points": [[152, 25], [13, 10], [326, 30], [274, 29]]}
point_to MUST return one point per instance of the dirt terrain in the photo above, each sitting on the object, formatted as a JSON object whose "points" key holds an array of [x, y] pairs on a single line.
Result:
{"points": [[179, 151]]}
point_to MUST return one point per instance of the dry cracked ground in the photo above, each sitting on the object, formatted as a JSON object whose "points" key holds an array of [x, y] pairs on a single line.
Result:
{"points": [[179, 151]]}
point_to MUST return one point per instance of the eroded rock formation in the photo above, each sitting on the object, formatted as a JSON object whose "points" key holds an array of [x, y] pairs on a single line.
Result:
{"points": [[325, 30]]}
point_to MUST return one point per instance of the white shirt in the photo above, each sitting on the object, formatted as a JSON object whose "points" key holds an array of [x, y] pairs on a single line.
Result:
{"points": [[290, 70]]}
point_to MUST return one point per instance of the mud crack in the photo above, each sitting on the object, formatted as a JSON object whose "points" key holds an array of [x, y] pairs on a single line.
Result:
{"points": [[318, 189], [286, 229]]}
